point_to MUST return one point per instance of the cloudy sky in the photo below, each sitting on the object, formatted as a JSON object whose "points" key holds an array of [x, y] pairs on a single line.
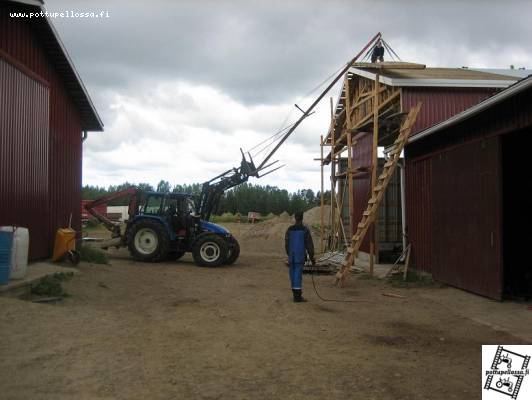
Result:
{"points": [[182, 85]]}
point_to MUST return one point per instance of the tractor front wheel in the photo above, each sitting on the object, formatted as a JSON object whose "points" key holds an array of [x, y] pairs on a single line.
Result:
{"points": [[148, 241], [210, 251]]}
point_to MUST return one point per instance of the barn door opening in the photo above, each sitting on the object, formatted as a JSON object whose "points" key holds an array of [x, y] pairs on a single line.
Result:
{"points": [[517, 203]]}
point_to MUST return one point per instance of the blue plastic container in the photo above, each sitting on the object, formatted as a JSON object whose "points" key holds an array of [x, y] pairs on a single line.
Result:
{"points": [[6, 242]]}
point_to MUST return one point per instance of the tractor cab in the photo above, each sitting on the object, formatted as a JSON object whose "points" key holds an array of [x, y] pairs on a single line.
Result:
{"points": [[165, 204]]}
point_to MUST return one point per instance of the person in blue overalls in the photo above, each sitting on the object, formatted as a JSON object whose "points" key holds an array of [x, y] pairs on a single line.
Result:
{"points": [[298, 243]]}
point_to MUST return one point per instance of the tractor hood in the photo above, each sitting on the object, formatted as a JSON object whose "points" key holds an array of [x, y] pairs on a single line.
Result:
{"points": [[214, 228]]}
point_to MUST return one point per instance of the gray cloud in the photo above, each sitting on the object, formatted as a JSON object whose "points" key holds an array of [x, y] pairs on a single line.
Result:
{"points": [[272, 52], [269, 51]]}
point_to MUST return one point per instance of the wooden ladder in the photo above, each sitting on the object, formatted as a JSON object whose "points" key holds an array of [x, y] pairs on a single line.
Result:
{"points": [[369, 214]]}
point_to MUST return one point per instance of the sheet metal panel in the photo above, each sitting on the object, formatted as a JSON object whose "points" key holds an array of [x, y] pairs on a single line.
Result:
{"points": [[24, 156], [389, 231], [466, 223], [362, 154], [64, 146], [440, 103], [389, 222], [418, 195]]}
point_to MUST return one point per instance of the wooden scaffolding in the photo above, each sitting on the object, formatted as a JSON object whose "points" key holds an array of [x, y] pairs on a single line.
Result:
{"points": [[365, 107]]}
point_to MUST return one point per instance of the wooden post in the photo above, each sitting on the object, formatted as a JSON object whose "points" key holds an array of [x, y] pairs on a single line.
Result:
{"points": [[333, 177], [322, 221], [349, 177], [349, 174], [375, 165]]}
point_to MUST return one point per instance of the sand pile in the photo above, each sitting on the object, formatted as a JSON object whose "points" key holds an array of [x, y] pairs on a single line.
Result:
{"points": [[268, 236], [313, 216], [284, 217]]}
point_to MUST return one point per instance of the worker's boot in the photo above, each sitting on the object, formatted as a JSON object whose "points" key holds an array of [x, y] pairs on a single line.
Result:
{"points": [[294, 293], [298, 296]]}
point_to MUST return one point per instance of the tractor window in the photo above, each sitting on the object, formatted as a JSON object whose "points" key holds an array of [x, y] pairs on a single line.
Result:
{"points": [[171, 206], [153, 205], [191, 208]]}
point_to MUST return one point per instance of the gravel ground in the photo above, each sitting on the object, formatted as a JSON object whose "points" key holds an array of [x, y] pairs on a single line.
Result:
{"points": [[177, 331]]}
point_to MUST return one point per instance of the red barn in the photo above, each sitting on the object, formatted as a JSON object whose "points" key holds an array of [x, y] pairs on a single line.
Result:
{"points": [[443, 93], [467, 199], [45, 112]]}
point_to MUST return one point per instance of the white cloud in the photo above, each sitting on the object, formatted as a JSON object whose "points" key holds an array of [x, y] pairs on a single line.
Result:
{"points": [[185, 134]]}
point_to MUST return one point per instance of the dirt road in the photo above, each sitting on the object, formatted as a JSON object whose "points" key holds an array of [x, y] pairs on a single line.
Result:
{"points": [[177, 331]]}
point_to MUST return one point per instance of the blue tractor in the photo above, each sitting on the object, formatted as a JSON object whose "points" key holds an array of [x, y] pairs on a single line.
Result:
{"points": [[164, 226]]}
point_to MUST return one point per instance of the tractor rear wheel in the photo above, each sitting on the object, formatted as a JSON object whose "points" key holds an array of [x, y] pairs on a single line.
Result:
{"points": [[148, 241], [210, 250], [234, 252]]}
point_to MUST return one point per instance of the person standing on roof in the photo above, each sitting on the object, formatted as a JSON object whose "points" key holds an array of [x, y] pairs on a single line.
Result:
{"points": [[377, 53], [298, 243]]}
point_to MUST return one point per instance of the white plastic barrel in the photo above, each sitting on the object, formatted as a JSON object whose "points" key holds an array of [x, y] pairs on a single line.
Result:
{"points": [[19, 251]]}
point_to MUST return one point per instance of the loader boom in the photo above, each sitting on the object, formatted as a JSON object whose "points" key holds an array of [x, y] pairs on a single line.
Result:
{"points": [[112, 226]]}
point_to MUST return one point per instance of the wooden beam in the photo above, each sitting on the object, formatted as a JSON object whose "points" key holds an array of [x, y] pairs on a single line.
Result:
{"points": [[374, 166], [389, 65], [333, 143], [365, 120], [322, 219], [349, 172]]}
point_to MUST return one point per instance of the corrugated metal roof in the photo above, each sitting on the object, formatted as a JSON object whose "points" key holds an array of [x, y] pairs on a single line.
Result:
{"points": [[434, 77], [58, 54], [519, 73]]}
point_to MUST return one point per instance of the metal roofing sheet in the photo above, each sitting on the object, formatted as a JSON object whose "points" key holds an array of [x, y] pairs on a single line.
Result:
{"points": [[442, 73], [437, 77]]}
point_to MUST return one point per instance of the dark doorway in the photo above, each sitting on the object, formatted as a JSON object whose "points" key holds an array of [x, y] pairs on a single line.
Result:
{"points": [[517, 206]]}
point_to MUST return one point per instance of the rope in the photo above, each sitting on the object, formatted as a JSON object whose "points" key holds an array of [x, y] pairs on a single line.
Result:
{"points": [[336, 300], [282, 130], [275, 137], [333, 300]]}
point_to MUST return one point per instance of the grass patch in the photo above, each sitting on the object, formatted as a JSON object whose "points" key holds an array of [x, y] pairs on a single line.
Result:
{"points": [[92, 225], [93, 255], [413, 279], [229, 217], [225, 217], [51, 285]]}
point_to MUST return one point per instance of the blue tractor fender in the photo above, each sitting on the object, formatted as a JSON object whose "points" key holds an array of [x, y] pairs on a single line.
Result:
{"points": [[211, 228], [214, 228]]}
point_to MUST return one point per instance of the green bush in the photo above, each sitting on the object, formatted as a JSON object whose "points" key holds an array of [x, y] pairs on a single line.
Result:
{"points": [[92, 223], [93, 255], [50, 285], [413, 279], [225, 217]]}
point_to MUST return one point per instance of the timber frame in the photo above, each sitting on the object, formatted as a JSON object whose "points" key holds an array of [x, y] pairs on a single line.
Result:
{"points": [[365, 107]]}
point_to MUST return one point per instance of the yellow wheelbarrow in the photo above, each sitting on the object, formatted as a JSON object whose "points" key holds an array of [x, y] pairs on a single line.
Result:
{"points": [[65, 246]]}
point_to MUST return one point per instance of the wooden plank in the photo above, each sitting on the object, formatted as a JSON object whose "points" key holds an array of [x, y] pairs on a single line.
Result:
{"points": [[349, 158], [374, 166], [333, 184], [342, 139], [322, 217], [389, 65], [407, 262]]}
